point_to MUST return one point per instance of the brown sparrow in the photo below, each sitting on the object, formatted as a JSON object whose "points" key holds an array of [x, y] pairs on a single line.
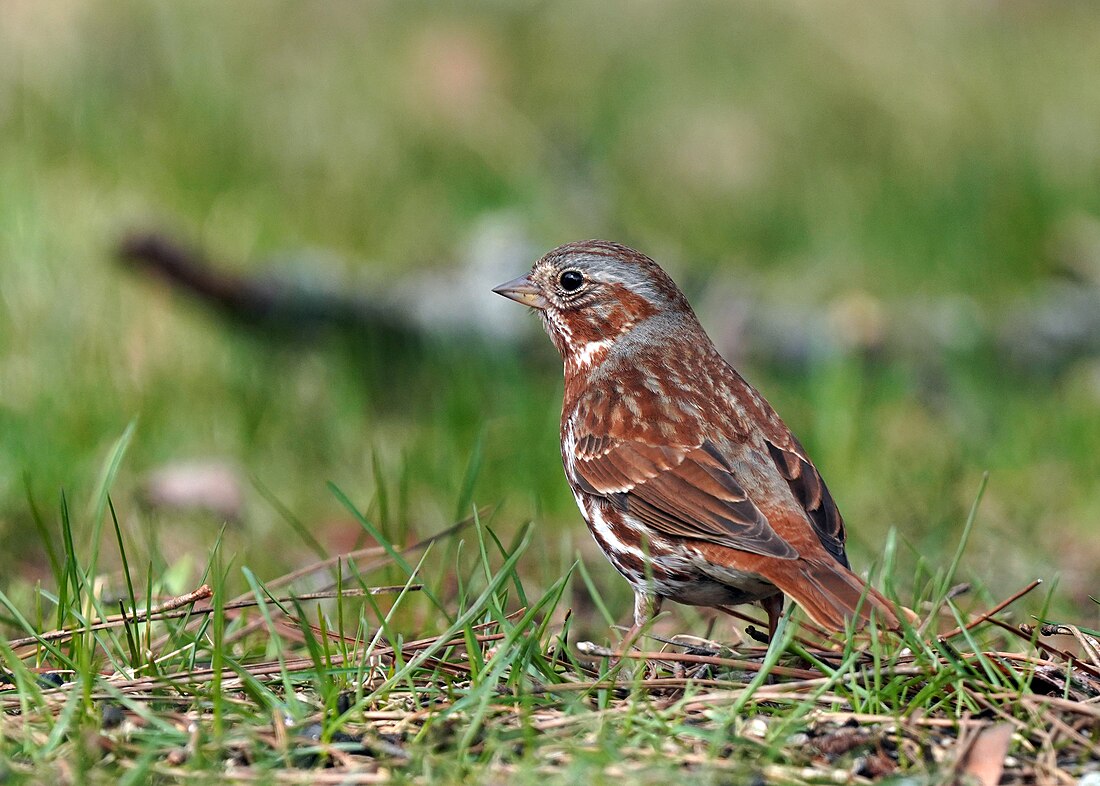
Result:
{"points": [[690, 483]]}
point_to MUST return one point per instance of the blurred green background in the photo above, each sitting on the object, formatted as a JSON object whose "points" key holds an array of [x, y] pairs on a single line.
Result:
{"points": [[894, 187]]}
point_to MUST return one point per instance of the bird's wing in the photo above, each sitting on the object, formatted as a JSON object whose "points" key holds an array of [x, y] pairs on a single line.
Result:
{"points": [[681, 491], [809, 489]]}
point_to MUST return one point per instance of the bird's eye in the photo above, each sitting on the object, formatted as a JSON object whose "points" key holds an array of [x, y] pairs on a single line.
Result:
{"points": [[571, 280]]}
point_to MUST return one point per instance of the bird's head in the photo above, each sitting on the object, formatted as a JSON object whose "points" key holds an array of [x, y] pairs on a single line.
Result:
{"points": [[594, 293]]}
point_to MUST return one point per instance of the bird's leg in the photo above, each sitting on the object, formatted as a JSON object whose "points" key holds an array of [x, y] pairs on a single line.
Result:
{"points": [[773, 607], [646, 607]]}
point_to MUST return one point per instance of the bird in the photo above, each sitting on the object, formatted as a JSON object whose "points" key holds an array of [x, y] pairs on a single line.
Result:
{"points": [[690, 483]]}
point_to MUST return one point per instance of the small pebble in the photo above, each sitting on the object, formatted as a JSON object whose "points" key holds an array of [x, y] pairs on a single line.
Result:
{"points": [[757, 727], [113, 716]]}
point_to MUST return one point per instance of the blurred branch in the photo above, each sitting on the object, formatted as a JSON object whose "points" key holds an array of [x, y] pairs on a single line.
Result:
{"points": [[256, 300]]}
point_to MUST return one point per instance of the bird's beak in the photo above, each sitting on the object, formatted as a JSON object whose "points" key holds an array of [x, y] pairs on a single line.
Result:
{"points": [[522, 291]]}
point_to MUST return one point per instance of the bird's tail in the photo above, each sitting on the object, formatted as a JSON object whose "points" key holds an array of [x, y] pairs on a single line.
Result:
{"points": [[832, 595]]}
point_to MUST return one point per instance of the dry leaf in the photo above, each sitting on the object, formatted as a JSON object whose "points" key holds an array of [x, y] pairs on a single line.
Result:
{"points": [[983, 757]]}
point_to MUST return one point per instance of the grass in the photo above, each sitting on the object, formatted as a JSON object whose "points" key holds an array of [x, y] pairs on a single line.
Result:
{"points": [[322, 676], [795, 165]]}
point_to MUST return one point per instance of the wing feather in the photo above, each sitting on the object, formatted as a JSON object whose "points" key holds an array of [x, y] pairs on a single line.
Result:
{"points": [[685, 491], [813, 495]]}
